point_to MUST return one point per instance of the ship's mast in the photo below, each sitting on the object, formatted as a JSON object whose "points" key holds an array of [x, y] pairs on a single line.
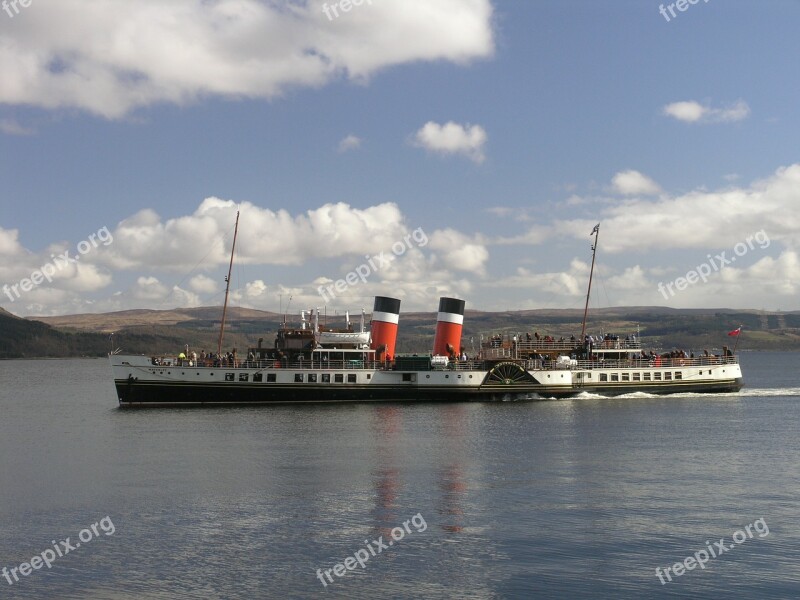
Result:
{"points": [[596, 232], [228, 286]]}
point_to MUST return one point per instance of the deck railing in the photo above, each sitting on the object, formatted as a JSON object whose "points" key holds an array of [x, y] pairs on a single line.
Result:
{"points": [[641, 363], [268, 364], [468, 365]]}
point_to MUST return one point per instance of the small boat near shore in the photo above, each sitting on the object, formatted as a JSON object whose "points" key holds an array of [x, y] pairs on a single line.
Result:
{"points": [[312, 363]]}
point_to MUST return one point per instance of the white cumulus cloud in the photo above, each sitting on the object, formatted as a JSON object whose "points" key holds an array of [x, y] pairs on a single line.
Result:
{"points": [[716, 219], [453, 138], [351, 142], [112, 57], [265, 236], [202, 284], [460, 252], [691, 111], [634, 183]]}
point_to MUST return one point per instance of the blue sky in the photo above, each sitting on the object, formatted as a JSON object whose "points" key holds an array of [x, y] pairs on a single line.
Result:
{"points": [[502, 130]]}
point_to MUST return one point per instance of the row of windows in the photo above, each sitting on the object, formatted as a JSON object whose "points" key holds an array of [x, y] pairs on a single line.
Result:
{"points": [[657, 376], [298, 377]]}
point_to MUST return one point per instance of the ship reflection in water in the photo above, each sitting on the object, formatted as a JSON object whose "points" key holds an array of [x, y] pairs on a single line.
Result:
{"points": [[449, 473], [451, 476]]}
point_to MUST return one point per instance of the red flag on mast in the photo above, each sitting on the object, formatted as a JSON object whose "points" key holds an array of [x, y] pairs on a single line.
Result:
{"points": [[736, 331]]}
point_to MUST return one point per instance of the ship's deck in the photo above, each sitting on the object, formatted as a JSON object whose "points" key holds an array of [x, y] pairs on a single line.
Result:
{"points": [[468, 365]]}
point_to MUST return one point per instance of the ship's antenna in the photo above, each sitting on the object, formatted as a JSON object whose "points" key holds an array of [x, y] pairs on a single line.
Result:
{"points": [[596, 232], [228, 286]]}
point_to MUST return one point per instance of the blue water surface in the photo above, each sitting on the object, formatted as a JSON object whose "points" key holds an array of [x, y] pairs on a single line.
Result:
{"points": [[580, 498]]}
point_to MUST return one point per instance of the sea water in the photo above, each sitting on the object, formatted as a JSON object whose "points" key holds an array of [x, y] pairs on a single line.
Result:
{"points": [[579, 498]]}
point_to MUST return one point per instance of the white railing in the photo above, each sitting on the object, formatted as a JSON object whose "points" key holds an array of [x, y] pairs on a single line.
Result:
{"points": [[456, 365], [650, 363]]}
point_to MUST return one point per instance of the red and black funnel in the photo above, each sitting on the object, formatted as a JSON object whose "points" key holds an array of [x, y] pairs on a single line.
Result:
{"points": [[385, 317], [449, 323]]}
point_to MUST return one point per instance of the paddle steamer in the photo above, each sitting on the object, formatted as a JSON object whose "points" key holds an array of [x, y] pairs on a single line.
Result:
{"points": [[312, 363]]}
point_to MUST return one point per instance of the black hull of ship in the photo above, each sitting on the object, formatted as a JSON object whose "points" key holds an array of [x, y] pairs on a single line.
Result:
{"points": [[144, 394], [709, 387], [138, 393]]}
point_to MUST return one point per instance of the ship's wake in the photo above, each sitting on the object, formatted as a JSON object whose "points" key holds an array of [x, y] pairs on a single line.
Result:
{"points": [[744, 393]]}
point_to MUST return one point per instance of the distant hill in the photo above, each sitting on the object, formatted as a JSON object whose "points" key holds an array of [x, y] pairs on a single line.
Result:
{"points": [[89, 335], [168, 331], [21, 338], [115, 321]]}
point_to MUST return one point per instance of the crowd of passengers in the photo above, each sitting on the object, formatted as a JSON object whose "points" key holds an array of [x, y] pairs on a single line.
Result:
{"points": [[496, 341], [204, 359], [674, 357], [608, 340]]}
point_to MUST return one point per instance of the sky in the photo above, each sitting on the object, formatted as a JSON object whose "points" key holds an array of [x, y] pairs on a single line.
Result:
{"points": [[406, 148]]}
